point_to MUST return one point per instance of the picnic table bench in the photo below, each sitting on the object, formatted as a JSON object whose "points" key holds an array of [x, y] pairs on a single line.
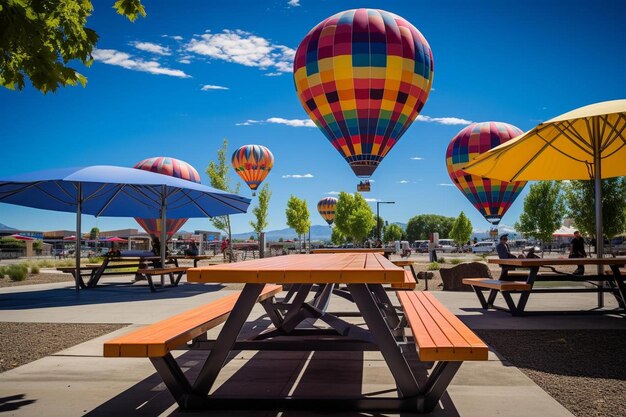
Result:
{"points": [[91, 271], [612, 283], [148, 273], [410, 277]]}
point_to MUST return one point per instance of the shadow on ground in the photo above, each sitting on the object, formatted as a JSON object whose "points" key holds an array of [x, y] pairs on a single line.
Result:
{"points": [[105, 294]]}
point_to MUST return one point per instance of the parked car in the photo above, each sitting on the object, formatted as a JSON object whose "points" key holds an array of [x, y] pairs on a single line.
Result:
{"points": [[447, 246], [483, 247], [422, 248]]}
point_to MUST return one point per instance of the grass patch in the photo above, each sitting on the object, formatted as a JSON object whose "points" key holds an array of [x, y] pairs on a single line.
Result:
{"points": [[433, 266], [456, 261]]}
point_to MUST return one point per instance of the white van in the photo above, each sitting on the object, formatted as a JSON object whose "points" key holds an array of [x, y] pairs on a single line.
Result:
{"points": [[483, 247]]}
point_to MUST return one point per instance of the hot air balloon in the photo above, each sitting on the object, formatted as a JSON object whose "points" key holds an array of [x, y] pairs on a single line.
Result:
{"points": [[252, 163], [326, 208], [491, 197], [175, 168], [363, 76]]}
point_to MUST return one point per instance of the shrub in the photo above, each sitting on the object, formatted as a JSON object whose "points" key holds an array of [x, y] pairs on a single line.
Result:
{"points": [[456, 261], [3, 271], [441, 260], [17, 272], [34, 269], [433, 266]]}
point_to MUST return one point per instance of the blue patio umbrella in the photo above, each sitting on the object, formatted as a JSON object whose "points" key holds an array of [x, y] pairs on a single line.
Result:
{"points": [[113, 191]]}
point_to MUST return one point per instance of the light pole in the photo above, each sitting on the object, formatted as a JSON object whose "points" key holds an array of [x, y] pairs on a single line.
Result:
{"points": [[378, 203]]}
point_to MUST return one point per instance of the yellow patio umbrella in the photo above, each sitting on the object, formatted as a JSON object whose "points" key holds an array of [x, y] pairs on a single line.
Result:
{"points": [[586, 143]]}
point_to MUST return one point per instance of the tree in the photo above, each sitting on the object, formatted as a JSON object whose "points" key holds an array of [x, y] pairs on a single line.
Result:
{"points": [[94, 234], [419, 227], [354, 218], [298, 216], [461, 230], [544, 208], [393, 232], [337, 238], [39, 37], [219, 178], [580, 198], [261, 210]]}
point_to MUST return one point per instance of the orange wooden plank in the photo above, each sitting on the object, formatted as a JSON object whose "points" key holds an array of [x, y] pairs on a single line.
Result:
{"points": [[497, 284], [161, 337]]}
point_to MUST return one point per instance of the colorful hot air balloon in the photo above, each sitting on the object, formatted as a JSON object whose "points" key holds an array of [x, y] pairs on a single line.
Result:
{"points": [[363, 76], [252, 163], [174, 168], [491, 197], [326, 208]]}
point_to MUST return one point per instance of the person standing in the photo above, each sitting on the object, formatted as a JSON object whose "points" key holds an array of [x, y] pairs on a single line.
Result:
{"points": [[577, 250]]}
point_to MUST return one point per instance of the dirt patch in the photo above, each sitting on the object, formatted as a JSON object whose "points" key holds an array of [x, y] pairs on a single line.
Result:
{"points": [[37, 279], [584, 370], [21, 343]]}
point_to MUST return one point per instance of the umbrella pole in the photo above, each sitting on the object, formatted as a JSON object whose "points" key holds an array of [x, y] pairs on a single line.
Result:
{"points": [[597, 167], [163, 228], [79, 206]]}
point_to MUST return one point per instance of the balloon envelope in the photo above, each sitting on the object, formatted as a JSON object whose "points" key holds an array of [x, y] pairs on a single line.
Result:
{"points": [[252, 163], [326, 208], [491, 197], [174, 168], [363, 76]]}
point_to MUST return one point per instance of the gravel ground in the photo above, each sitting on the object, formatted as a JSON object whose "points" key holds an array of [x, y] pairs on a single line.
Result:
{"points": [[21, 343], [584, 370], [567, 364]]}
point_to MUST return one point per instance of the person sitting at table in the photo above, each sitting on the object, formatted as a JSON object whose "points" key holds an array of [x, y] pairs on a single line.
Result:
{"points": [[192, 250], [577, 250], [114, 251], [504, 252]]}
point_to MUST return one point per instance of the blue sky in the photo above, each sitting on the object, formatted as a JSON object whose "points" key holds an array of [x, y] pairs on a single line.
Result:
{"points": [[192, 73]]}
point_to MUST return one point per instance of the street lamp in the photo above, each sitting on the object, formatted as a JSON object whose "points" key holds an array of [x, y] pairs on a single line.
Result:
{"points": [[378, 203]]}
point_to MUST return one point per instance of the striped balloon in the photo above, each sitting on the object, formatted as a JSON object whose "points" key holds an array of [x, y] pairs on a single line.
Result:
{"points": [[326, 208], [363, 76], [252, 163], [174, 168], [491, 197]]}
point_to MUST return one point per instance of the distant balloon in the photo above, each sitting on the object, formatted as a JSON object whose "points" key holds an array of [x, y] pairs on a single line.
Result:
{"points": [[252, 163], [363, 76], [326, 208], [491, 197], [174, 168]]}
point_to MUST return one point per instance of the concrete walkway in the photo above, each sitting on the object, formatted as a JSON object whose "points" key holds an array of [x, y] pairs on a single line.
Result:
{"points": [[79, 381]]}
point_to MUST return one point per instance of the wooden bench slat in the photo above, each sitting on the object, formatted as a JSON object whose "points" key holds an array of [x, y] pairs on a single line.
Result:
{"points": [[438, 334], [160, 271], [159, 338], [497, 284]]}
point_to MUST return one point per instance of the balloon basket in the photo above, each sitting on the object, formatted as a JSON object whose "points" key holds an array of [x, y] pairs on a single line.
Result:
{"points": [[363, 186]]}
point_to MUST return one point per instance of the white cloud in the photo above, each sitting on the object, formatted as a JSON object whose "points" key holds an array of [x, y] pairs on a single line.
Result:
{"points": [[443, 120], [175, 37], [273, 74], [417, 158], [208, 87], [294, 3], [447, 185], [403, 182], [333, 193], [371, 200], [280, 121], [124, 60], [243, 48], [152, 47], [298, 176], [184, 61]]}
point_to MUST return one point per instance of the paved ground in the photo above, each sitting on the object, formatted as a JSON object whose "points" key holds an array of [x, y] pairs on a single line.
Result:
{"points": [[79, 381]]}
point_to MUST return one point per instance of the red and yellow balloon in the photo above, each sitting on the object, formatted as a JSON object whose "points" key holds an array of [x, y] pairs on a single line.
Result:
{"points": [[363, 76], [252, 163], [174, 168]]}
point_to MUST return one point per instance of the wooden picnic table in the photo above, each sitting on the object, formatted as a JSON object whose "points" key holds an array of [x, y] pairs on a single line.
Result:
{"points": [[439, 335], [385, 251], [612, 282]]}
